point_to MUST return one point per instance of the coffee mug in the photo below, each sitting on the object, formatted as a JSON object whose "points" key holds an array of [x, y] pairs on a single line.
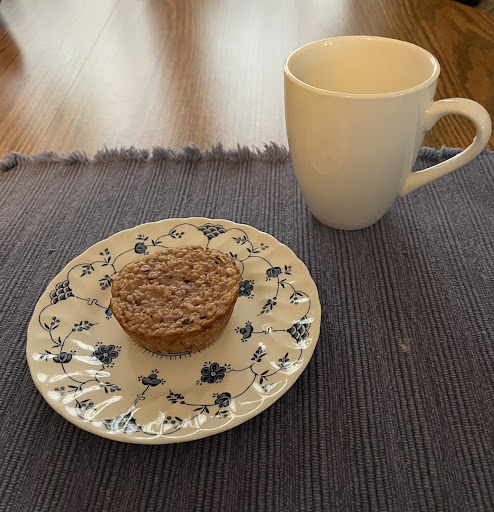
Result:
{"points": [[357, 109]]}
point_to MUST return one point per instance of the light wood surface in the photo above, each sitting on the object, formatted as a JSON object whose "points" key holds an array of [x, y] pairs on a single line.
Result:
{"points": [[81, 75]]}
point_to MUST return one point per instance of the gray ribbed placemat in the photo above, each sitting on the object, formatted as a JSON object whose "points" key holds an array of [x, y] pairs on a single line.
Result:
{"points": [[394, 412]]}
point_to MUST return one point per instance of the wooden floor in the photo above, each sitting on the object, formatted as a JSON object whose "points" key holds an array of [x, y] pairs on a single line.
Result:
{"points": [[85, 74]]}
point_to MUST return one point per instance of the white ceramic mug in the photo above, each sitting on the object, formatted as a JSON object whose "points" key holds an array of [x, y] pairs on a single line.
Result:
{"points": [[357, 109]]}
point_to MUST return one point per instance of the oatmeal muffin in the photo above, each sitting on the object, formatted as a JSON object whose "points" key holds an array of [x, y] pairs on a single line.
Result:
{"points": [[176, 300]]}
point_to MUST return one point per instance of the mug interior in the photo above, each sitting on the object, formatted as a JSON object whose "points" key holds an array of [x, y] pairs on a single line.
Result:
{"points": [[362, 65]]}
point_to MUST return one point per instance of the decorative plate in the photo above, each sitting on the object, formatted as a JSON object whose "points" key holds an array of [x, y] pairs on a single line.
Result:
{"points": [[95, 376]]}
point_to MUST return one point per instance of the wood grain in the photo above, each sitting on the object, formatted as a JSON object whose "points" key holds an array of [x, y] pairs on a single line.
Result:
{"points": [[43, 47], [168, 72]]}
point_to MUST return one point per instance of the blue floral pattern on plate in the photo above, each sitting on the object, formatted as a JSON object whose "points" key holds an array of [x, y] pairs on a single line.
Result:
{"points": [[95, 376]]}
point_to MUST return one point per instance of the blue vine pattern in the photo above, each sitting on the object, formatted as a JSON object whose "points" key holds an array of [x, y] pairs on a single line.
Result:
{"points": [[213, 373]]}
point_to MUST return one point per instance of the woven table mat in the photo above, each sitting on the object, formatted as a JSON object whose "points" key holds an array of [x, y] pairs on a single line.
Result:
{"points": [[395, 410]]}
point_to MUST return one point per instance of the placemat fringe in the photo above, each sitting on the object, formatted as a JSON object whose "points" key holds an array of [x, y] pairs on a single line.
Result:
{"points": [[269, 153]]}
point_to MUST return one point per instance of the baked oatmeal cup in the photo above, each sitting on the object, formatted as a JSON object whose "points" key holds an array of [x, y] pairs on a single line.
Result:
{"points": [[176, 300]]}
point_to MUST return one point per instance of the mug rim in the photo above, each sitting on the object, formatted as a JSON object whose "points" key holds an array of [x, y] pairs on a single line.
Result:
{"points": [[402, 92]]}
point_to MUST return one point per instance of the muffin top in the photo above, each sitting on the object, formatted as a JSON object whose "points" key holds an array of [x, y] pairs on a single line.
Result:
{"points": [[175, 290]]}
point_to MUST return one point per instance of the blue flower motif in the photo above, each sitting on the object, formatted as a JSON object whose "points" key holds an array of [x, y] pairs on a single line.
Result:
{"points": [[259, 354], [124, 423], [106, 353], [63, 357], [283, 362], [211, 230], [62, 291], [223, 400], [169, 420], [299, 331], [270, 304], [246, 288], [246, 331], [105, 282], [273, 272], [140, 248], [151, 380], [212, 373], [175, 397]]}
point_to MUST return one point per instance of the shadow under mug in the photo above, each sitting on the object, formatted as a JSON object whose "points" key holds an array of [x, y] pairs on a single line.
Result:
{"points": [[357, 109]]}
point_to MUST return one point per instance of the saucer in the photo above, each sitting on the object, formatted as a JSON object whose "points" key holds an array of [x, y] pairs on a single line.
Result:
{"points": [[94, 375]]}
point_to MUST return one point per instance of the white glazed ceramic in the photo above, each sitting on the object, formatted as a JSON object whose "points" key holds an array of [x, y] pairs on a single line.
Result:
{"points": [[357, 109], [94, 375]]}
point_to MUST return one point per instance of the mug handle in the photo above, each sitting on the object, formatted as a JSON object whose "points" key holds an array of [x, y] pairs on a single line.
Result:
{"points": [[463, 107]]}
